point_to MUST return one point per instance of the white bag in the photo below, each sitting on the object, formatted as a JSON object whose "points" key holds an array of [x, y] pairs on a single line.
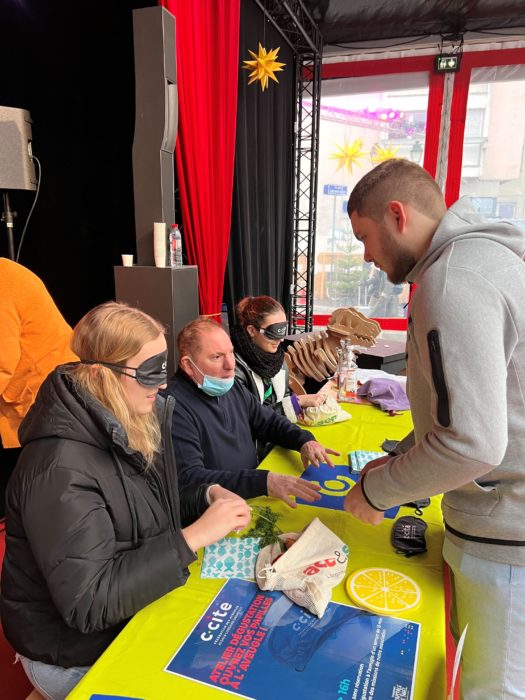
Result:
{"points": [[307, 572], [327, 413]]}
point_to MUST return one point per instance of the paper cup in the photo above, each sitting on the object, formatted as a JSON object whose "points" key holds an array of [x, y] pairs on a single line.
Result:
{"points": [[127, 260], [159, 244]]}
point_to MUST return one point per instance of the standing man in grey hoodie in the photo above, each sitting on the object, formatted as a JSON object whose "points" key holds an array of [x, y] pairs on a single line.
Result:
{"points": [[466, 384]]}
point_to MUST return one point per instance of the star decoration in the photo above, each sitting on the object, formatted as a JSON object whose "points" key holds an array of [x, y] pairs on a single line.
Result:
{"points": [[381, 154], [349, 154], [263, 66]]}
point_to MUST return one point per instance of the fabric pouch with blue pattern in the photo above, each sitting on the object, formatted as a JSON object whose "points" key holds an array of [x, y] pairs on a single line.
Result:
{"points": [[231, 557]]}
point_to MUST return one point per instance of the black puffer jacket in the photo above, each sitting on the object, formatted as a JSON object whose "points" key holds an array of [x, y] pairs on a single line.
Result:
{"points": [[91, 537]]}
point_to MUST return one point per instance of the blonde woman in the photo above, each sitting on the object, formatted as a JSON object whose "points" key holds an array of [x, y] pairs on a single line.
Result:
{"points": [[97, 527]]}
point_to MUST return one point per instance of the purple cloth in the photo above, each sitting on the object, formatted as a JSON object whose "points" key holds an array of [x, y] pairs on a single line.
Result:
{"points": [[388, 394]]}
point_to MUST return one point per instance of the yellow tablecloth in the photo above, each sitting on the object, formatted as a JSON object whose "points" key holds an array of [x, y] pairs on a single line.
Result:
{"points": [[133, 665]]}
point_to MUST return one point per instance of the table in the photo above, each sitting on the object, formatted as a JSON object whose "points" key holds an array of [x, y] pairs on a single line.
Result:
{"points": [[388, 355], [133, 665]]}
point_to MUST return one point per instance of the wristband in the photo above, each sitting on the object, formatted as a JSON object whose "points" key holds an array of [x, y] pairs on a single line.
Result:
{"points": [[296, 405], [207, 493], [380, 510]]}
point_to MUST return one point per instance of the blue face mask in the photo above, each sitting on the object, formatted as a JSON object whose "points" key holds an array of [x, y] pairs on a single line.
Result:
{"points": [[214, 386]]}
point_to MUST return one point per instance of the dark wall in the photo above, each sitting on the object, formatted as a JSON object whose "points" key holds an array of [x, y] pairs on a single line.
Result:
{"points": [[71, 65], [261, 237]]}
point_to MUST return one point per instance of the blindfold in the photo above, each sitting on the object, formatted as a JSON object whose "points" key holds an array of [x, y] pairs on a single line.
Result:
{"points": [[275, 331], [151, 372]]}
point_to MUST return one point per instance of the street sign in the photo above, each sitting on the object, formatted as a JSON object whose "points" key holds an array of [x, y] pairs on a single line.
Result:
{"points": [[338, 190]]}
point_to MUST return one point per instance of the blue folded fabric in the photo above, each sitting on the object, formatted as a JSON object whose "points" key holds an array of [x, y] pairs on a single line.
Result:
{"points": [[358, 458]]}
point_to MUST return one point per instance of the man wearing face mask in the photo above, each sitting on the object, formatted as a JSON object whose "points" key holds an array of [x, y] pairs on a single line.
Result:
{"points": [[216, 422]]}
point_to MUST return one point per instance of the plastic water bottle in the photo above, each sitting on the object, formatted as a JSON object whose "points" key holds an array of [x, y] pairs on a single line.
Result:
{"points": [[175, 246]]}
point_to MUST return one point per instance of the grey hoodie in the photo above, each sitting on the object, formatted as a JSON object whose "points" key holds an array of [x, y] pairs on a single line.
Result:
{"points": [[466, 384]]}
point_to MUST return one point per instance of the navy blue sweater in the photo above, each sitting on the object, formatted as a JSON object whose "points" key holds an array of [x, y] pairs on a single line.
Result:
{"points": [[214, 436]]}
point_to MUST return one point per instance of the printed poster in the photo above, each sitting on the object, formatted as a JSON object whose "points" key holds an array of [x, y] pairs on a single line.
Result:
{"points": [[335, 483], [258, 644]]}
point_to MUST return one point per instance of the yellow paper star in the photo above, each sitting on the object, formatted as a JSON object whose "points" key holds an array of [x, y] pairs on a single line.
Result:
{"points": [[263, 66], [380, 154], [349, 154]]}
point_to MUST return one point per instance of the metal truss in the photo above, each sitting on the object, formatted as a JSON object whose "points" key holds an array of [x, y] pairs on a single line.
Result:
{"points": [[293, 22]]}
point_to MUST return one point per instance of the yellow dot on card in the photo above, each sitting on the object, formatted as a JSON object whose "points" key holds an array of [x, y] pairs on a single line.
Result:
{"points": [[335, 485]]}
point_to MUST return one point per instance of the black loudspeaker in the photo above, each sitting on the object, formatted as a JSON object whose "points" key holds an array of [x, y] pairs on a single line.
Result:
{"points": [[169, 294], [156, 118], [17, 171]]}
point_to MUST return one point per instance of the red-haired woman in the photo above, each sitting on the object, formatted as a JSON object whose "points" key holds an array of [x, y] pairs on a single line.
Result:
{"points": [[257, 339]]}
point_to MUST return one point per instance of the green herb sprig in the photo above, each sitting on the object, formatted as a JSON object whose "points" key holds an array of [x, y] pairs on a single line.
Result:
{"points": [[265, 526]]}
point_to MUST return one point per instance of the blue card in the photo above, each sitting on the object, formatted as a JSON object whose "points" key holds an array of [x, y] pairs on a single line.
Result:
{"points": [[335, 483], [97, 696]]}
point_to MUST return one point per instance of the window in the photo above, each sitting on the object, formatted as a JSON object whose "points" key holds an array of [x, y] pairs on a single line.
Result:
{"points": [[362, 123], [486, 206], [507, 210], [493, 171]]}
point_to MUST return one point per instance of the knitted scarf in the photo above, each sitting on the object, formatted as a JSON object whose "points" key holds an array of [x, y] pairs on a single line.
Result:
{"points": [[265, 364]]}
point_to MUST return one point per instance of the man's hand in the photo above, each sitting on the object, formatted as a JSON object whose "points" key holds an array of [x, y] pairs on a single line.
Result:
{"points": [[282, 486], [357, 505], [314, 453]]}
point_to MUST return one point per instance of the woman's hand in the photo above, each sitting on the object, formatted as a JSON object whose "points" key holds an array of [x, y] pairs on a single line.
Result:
{"points": [[306, 400], [217, 491], [222, 517]]}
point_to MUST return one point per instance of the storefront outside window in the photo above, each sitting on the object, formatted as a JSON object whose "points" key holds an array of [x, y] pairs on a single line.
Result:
{"points": [[473, 144]]}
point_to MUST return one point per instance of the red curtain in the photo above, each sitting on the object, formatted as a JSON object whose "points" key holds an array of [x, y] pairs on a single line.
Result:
{"points": [[207, 39]]}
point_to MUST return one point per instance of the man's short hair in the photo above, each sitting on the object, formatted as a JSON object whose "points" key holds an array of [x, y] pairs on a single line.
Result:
{"points": [[190, 337], [396, 179]]}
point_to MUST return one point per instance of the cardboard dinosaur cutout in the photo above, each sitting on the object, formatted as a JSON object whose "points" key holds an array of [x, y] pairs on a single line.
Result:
{"points": [[315, 355]]}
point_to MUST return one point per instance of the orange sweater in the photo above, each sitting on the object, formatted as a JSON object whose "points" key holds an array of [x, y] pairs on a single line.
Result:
{"points": [[34, 339]]}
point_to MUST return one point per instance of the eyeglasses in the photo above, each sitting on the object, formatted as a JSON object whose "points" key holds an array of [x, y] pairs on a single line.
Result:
{"points": [[151, 372], [275, 331]]}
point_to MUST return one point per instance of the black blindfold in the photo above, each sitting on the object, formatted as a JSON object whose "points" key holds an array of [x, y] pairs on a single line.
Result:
{"points": [[151, 372]]}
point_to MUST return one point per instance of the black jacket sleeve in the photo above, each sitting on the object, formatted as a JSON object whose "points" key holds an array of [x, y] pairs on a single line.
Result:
{"points": [[243, 376], [193, 502], [95, 580]]}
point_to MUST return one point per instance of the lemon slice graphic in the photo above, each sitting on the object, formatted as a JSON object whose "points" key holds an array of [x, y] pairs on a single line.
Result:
{"points": [[383, 591]]}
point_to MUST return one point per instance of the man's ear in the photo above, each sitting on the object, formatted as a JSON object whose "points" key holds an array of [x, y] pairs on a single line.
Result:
{"points": [[186, 365], [398, 213]]}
